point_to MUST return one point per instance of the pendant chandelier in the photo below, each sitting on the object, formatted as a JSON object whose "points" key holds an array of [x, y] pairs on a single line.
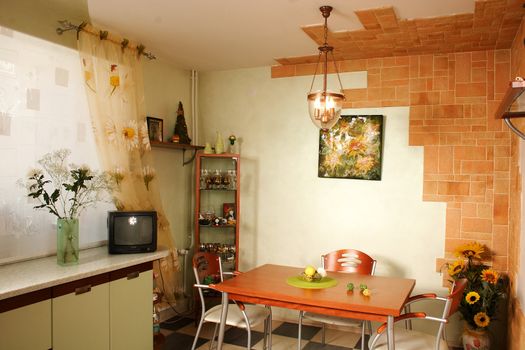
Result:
{"points": [[325, 105]]}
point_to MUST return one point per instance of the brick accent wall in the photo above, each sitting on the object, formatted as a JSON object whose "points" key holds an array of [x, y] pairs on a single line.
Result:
{"points": [[467, 151]]}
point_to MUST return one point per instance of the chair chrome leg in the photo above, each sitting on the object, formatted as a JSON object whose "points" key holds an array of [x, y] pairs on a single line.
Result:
{"points": [[323, 334], [249, 345], [197, 334], [270, 318], [300, 325], [363, 325], [265, 334], [214, 334]]}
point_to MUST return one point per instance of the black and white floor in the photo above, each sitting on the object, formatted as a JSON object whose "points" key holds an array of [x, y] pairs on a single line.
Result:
{"points": [[179, 334]]}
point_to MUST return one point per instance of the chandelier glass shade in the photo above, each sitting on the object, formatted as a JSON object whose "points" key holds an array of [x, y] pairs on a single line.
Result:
{"points": [[324, 106]]}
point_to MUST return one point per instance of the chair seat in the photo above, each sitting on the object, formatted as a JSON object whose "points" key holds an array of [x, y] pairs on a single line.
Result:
{"points": [[409, 340], [333, 320], [256, 315]]}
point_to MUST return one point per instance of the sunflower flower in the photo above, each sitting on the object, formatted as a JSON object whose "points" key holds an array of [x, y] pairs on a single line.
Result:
{"points": [[456, 267], [470, 250], [481, 319], [490, 276], [472, 298]]}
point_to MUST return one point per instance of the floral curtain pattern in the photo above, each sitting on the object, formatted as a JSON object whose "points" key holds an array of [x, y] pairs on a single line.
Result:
{"points": [[114, 86]]}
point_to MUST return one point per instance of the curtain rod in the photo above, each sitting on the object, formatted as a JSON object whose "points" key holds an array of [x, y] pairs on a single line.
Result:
{"points": [[66, 25]]}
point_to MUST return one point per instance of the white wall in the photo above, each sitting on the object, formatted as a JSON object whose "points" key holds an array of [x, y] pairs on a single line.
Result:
{"points": [[289, 215]]}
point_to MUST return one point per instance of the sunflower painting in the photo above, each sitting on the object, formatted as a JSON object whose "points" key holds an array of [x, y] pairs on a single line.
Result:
{"points": [[352, 148]]}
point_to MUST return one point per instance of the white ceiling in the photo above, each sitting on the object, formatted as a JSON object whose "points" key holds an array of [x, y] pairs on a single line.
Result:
{"points": [[216, 35]]}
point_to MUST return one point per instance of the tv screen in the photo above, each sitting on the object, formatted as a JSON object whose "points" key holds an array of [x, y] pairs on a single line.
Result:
{"points": [[133, 230]]}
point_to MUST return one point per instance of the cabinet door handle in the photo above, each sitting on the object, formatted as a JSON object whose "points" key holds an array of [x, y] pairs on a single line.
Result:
{"points": [[132, 275], [83, 289]]}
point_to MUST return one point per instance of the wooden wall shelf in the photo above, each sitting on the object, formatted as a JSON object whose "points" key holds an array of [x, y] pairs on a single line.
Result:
{"points": [[514, 91], [181, 146]]}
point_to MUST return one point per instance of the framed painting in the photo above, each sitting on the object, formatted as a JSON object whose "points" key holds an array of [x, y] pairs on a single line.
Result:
{"points": [[155, 128], [352, 148]]}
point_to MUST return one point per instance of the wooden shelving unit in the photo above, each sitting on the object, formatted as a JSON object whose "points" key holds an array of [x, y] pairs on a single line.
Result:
{"points": [[178, 146]]}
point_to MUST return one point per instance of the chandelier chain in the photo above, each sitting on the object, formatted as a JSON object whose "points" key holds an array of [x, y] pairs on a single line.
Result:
{"points": [[337, 71], [315, 72]]}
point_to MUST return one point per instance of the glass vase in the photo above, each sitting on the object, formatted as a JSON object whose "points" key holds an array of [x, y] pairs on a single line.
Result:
{"points": [[67, 242]]}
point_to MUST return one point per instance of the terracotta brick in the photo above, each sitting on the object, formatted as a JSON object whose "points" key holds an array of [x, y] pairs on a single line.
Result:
{"points": [[426, 64], [373, 80], [502, 77], [501, 209], [447, 111], [441, 62], [502, 151], [502, 186], [445, 160], [463, 62], [352, 66], [476, 167], [470, 153], [424, 98], [502, 164], [440, 83], [484, 211], [501, 56], [430, 161], [478, 188], [418, 85], [356, 94], [393, 73], [423, 139], [453, 223], [479, 75], [500, 240], [476, 225], [453, 188], [430, 187], [500, 263], [469, 210], [471, 89]]}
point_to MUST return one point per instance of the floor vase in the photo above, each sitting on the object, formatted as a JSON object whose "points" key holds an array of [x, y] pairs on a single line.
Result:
{"points": [[475, 339], [67, 241]]}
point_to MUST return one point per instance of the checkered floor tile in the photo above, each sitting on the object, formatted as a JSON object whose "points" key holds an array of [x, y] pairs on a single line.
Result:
{"points": [[179, 333]]}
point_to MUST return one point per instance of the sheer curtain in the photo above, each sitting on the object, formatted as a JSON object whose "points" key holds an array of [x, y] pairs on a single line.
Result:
{"points": [[114, 86]]}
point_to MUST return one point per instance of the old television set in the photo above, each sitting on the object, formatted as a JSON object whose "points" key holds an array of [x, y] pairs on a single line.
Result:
{"points": [[132, 231]]}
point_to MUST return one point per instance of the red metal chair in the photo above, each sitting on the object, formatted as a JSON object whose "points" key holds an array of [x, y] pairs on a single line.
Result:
{"points": [[408, 339], [208, 270], [349, 261]]}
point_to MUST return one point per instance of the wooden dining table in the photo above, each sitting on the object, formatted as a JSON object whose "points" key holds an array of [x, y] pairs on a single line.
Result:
{"points": [[267, 285]]}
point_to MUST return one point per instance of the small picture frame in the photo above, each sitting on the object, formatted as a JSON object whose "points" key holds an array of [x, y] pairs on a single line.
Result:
{"points": [[228, 212], [155, 128]]}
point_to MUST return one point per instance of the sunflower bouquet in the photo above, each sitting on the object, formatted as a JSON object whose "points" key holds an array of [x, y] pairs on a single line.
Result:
{"points": [[484, 289]]}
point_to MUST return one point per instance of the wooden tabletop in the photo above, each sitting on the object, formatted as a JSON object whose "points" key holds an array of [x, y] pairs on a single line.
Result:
{"points": [[267, 285]]}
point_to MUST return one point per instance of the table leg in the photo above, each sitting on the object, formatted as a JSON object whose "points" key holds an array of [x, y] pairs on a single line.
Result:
{"points": [[390, 332], [224, 314]]}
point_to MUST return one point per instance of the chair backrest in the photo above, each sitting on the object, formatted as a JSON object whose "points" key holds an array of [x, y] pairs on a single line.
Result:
{"points": [[454, 297], [348, 260], [207, 268]]}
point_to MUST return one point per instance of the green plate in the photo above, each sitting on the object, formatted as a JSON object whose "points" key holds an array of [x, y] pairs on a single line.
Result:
{"points": [[298, 281]]}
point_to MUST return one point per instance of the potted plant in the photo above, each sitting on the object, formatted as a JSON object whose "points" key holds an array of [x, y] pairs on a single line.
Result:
{"points": [[65, 190], [484, 290]]}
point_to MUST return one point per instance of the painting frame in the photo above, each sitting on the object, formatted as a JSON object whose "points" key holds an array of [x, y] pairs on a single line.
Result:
{"points": [[352, 148], [155, 128]]}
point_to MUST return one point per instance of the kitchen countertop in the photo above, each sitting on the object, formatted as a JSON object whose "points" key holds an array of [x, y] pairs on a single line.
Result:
{"points": [[31, 275]]}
